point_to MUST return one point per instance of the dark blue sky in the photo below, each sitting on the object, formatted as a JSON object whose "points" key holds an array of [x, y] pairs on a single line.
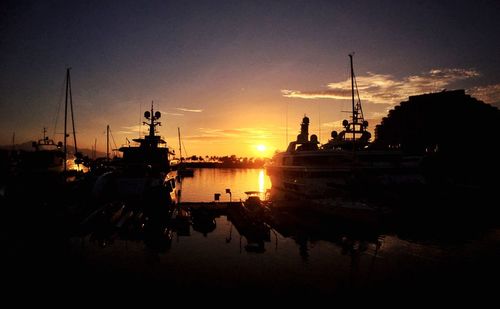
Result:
{"points": [[231, 60]]}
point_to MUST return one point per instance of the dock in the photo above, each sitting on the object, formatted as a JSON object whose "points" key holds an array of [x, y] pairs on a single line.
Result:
{"points": [[209, 205]]}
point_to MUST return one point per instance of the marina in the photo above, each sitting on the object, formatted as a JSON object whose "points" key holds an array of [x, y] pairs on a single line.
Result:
{"points": [[208, 246], [235, 152], [340, 218]]}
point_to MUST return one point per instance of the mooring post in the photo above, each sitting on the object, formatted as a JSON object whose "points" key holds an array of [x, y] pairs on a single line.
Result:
{"points": [[228, 191]]}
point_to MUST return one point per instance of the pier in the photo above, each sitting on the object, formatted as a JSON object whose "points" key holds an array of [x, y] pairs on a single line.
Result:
{"points": [[219, 206]]}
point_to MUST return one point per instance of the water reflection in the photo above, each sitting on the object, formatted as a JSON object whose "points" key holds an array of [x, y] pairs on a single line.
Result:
{"points": [[206, 182], [262, 187], [203, 221], [286, 249]]}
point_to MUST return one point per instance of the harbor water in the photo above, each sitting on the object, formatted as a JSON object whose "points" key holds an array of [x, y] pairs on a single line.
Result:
{"points": [[208, 181], [300, 252]]}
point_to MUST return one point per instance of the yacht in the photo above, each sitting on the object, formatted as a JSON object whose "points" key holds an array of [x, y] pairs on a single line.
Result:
{"points": [[143, 171], [47, 157], [347, 160]]}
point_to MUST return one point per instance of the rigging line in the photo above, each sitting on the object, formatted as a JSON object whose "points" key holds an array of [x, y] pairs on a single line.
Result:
{"points": [[319, 121], [140, 117], [113, 138], [61, 96], [359, 99], [72, 115], [286, 125], [184, 149]]}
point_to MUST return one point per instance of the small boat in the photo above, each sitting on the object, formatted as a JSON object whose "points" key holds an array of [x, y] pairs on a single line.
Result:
{"points": [[47, 157], [249, 219], [254, 207]]}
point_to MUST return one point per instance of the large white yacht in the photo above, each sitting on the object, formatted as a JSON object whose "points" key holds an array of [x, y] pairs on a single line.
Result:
{"points": [[346, 161]]}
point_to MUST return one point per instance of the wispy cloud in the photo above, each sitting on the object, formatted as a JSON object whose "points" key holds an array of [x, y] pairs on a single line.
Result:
{"points": [[243, 134], [171, 114], [130, 129], [189, 110], [385, 88]]}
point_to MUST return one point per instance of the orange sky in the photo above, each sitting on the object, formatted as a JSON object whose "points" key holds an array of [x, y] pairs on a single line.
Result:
{"points": [[233, 75]]}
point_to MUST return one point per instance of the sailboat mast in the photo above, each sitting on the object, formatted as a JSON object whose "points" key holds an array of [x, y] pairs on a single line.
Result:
{"points": [[354, 118], [180, 148], [72, 115], [107, 142], [66, 119]]}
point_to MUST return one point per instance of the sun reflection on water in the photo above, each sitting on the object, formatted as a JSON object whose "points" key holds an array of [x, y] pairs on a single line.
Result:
{"points": [[261, 181], [207, 181]]}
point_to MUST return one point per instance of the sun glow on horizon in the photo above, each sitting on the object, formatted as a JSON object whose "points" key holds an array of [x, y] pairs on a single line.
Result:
{"points": [[261, 148]]}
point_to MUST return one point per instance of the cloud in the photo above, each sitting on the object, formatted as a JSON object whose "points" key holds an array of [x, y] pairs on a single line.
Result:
{"points": [[489, 94], [131, 129], [243, 134], [385, 88], [189, 110], [171, 114]]}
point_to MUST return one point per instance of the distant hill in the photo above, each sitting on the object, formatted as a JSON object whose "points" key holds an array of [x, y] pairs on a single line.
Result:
{"points": [[27, 146]]}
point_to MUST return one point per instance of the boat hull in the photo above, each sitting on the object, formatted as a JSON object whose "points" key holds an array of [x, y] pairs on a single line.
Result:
{"points": [[322, 173]]}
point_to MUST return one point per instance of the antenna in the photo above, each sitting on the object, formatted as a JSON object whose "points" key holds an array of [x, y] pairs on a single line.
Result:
{"points": [[286, 124], [107, 142], [354, 117], [319, 122], [180, 148], [140, 119]]}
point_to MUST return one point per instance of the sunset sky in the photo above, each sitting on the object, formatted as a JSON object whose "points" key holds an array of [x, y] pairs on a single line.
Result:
{"points": [[233, 75]]}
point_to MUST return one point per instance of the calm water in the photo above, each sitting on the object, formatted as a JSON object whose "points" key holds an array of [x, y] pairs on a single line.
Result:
{"points": [[296, 252], [208, 181]]}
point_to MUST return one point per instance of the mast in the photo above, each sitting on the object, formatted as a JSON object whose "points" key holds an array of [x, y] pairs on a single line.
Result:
{"points": [[72, 115], [180, 148], [66, 119], [107, 142], [153, 122], [286, 124], [152, 125], [70, 96], [354, 118]]}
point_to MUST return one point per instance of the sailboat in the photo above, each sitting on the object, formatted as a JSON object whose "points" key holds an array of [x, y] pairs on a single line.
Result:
{"points": [[49, 157], [345, 162], [182, 170]]}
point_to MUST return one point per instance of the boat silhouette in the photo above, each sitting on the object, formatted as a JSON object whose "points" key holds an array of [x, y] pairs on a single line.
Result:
{"points": [[345, 162], [250, 220], [142, 174], [46, 157]]}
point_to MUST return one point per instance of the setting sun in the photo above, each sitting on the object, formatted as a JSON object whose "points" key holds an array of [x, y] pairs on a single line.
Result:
{"points": [[261, 148]]}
